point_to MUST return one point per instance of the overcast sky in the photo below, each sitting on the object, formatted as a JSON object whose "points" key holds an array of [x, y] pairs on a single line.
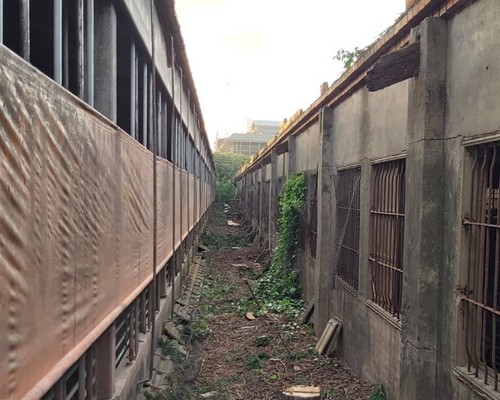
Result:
{"points": [[265, 59]]}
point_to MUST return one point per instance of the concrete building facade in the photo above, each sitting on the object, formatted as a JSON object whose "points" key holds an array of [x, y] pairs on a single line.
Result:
{"points": [[401, 233], [247, 144], [106, 181], [258, 136]]}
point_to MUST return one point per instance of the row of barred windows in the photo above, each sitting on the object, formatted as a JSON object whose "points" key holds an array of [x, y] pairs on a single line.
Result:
{"points": [[63, 38], [480, 294]]}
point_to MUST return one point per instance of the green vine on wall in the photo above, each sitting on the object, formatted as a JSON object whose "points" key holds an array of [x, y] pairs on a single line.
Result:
{"points": [[277, 288]]}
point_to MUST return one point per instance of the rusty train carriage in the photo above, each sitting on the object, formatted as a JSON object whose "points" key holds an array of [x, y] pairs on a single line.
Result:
{"points": [[82, 92]]}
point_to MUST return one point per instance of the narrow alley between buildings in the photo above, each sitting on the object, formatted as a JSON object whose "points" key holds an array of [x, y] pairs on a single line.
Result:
{"points": [[231, 351]]}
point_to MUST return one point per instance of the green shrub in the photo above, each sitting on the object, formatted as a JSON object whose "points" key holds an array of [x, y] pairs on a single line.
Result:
{"points": [[277, 288]]}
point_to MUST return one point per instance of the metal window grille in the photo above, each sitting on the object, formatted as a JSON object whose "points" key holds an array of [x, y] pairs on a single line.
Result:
{"points": [[251, 197], [144, 320], [169, 268], [313, 215], [387, 235], [78, 382], [122, 335], [279, 191], [347, 227], [72, 383], [257, 203], [127, 331], [265, 204], [91, 378], [480, 296]]}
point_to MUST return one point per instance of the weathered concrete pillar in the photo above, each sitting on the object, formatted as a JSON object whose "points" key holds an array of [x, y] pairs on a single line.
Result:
{"points": [[247, 185], [105, 72], [292, 151], [365, 284], [424, 216], [162, 278], [105, 364], [254, 201], [262, 184], [326, 222], [248, 199], [273, 200]]}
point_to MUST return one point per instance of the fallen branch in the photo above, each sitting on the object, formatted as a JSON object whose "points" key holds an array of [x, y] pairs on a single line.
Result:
{"points": [[273, 324]]}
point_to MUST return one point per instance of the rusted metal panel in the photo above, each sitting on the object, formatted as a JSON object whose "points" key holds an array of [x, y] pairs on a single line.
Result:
{"points": [[177, 207], [76, 219], [200, 197], [165, 214], [184, 204], [191, 203]]}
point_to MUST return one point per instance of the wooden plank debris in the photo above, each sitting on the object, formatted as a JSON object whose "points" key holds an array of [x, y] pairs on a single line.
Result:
{"points": [[302, 392], [307, 315], [394, 67], [329, 336]]}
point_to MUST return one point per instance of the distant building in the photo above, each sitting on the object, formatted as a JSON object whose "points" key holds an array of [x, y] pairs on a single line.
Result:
{"points": [[266, 127], [243, 143], [261, 132]]}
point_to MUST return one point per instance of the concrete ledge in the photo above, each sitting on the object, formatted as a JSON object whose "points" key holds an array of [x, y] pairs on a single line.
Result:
{"points": [[129, 373], [396, 323], [477, 385], [345, 287]]}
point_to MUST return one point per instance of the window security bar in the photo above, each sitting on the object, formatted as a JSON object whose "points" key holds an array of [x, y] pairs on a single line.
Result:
{"points": [[346, 267], [387, 235], [480, 295]]}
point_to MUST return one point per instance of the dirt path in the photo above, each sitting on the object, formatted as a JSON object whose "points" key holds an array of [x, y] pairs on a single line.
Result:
{"points": [[237, 358]]}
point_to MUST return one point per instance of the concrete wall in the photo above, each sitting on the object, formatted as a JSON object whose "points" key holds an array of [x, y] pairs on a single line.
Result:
{"points": [[307, 272], [307, 145], [370, 343], [367, 127], [281, 165], [370, 125], [306, 261], [431, 120], [472, 112], [473, 71], [140, 13]]}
